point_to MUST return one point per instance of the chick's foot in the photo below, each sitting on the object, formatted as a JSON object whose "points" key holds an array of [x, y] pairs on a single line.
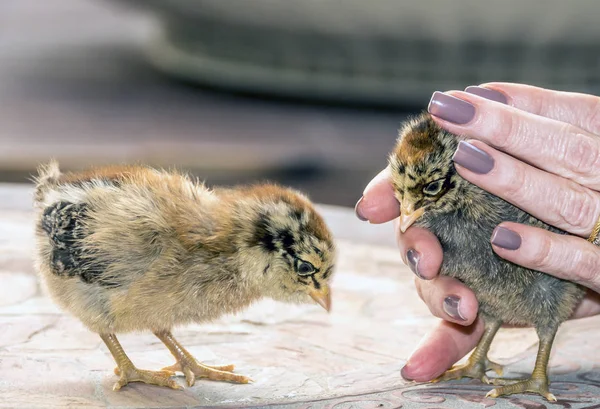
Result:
{"points": [[473, 368], [193, 369], [535, 384], [129, 373], [538, 382], [132, 374]]}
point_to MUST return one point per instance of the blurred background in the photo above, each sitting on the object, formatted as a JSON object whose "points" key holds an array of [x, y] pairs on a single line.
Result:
{"points": [[308, 93]]}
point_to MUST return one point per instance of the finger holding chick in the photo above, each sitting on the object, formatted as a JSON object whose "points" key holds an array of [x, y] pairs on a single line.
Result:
{"points": [[560, 202], [563, 256], [448, 299], [577, 109]]}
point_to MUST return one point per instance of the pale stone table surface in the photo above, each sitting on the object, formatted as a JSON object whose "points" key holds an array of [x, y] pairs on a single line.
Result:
{"points": [[299, 356]]}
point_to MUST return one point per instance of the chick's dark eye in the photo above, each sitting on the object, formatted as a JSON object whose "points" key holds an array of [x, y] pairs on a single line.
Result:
{"points": [[305, 268], [433, 188]]}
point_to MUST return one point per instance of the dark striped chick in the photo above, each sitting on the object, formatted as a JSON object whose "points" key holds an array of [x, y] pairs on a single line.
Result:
{"points": [[463, 217], [133, 248]]}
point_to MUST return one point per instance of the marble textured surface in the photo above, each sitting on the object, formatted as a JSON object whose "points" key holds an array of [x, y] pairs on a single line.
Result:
{"points": [[298, 355]]}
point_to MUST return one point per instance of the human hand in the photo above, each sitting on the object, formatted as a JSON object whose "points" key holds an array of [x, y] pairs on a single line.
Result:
{"points": [[515, 127]]}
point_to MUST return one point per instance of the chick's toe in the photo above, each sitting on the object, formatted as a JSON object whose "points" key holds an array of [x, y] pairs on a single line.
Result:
{"points": [[191, 368], [132, 374], [176, 367], [473, 368]]}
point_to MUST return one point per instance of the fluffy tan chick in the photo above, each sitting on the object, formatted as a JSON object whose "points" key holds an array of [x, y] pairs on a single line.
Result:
{"points": [[138, 249]]}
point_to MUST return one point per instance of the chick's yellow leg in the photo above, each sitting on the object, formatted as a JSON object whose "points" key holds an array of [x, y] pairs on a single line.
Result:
{"points": [[538, 382], [191, 368], [129, 373], [478, 363]]}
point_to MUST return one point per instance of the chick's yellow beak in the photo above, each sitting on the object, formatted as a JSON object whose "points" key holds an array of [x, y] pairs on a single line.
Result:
{"points": [[408, 215], [322, 297]]}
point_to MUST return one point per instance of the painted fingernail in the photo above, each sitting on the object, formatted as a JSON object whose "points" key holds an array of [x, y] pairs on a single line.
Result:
{"points": [[358, 211], [487, 93], [473, 158], [451, 109], [507, 239], [412, 258], [452, 307]]}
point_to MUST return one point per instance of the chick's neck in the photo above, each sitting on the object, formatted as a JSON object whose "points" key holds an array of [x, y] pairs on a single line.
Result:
{"points": [[217, 259]]}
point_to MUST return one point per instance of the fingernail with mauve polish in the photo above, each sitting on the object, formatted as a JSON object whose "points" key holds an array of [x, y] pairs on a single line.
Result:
{"points": [[473, 158], [487, 93], [358, 211], [452, 307], [505, 238], [451, 109], [412, 258]]}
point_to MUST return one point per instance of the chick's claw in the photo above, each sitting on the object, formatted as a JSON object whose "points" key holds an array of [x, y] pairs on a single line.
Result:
{"points": [[160, 378]]}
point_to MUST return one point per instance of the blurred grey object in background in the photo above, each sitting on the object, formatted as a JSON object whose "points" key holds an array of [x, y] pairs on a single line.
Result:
{"points": [[380, 51], [79, 80]]}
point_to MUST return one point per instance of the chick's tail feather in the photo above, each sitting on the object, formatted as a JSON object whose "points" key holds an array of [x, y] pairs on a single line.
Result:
{"points": [[47, 177]]}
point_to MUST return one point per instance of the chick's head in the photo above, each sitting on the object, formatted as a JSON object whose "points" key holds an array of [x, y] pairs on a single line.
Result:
{"points": [[298, 248], [423, 176]]}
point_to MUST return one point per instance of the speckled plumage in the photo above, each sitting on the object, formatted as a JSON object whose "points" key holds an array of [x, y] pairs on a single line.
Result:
{"points": [[133, 248], [463, 217]]}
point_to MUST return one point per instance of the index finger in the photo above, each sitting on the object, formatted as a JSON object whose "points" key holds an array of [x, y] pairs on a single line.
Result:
{"points": [[581, 110]]}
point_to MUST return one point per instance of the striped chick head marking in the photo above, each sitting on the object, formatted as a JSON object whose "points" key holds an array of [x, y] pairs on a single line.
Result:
{"points": [[422, 172], [299, 248]]}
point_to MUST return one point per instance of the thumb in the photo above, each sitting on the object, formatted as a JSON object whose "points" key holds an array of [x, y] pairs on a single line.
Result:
{"points": [[378, 203], [440, 349]]}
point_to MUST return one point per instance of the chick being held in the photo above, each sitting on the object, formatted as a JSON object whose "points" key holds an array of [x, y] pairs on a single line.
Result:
{"points": [[135, 249], [463, 216]]}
